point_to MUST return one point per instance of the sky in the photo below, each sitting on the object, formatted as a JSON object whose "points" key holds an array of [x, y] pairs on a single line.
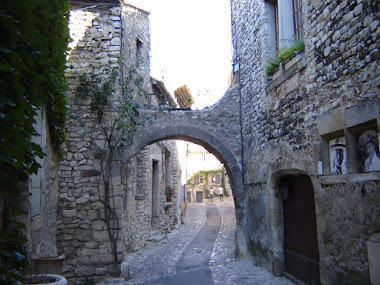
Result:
{"points": [[191, 44]]}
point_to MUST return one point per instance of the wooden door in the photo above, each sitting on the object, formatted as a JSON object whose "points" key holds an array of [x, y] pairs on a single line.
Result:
{"points": [[301, 241], [199, 196]]}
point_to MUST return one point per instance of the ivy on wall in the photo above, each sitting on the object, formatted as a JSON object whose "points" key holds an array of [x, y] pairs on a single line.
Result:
{"points": [[205, 174], [33, 44], [118, 127], [32, 63]]}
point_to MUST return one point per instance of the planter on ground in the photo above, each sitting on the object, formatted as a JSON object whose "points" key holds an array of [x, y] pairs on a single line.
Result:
{"points": [[45, 279]]}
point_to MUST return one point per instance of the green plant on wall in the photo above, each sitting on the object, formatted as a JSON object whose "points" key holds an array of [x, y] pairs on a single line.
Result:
{"points": [[91, 86], [118, 127], [283, 55], [33, 43], [13, 251], [206, 174]]}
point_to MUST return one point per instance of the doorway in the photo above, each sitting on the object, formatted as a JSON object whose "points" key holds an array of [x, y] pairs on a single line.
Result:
{"points": [[300, 230], [155, 194], [199, 197]]}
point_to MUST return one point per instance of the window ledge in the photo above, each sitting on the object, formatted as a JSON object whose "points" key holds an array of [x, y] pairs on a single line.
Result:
{"points": [[286, 71], [351, 178]]}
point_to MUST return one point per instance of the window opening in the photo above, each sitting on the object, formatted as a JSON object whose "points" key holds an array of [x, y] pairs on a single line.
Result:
{"points": [[218, 178], [298, 22], [155, 194], [287, 21], [139, 45], [196, 179], [275, 6]]}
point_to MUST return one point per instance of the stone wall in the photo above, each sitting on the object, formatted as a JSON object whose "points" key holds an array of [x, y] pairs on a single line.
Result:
{"points": [[103, 35], [139, 198], [284, 132]]}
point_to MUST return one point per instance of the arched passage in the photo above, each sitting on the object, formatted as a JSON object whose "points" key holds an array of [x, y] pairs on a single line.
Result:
{"points": [[217, 129], [195, 135]]}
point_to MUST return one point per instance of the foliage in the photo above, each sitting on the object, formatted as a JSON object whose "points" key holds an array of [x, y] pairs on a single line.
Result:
{"points": [[283, 55], [32, 62], [169, 192], [13, 247], [118, 127], [34, 37], [205, 174], [99, 92]]}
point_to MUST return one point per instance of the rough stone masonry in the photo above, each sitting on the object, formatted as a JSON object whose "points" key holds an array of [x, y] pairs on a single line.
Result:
{"points": [[288, 124], [107, 36], [274, 130]]}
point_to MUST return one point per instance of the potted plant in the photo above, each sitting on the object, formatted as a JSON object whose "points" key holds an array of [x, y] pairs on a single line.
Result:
{"points": [[48, 270], [284, 55]]}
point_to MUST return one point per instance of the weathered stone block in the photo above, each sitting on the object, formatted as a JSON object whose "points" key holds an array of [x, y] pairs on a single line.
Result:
{"points": [[98, 225], [331, 121], [101, 235], [116, 41], [69, 213], [84, 271]]}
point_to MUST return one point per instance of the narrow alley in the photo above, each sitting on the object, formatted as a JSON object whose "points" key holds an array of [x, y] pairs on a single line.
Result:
{"points": [[202, 251]]}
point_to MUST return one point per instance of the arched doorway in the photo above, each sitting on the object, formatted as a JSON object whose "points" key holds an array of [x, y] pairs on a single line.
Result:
{"points": [[300, 231]]}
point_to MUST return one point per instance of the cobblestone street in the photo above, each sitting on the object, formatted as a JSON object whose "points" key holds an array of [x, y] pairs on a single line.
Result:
{"points": [[160, 259]]}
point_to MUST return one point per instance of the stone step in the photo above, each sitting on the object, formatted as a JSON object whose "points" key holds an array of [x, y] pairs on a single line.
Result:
{"points": [[156, 236]]}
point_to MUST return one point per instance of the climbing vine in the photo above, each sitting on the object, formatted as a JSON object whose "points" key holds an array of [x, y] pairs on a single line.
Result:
{"points": [[118, 128], [205, 174], [33, 43]]}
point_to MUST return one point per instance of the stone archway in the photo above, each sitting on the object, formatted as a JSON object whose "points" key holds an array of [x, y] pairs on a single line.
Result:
{"points": [[216, 129], [209, 142]]}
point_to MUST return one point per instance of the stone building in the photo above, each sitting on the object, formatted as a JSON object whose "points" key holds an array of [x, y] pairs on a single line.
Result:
{"points": [[107, 208], [199, 185], [311, 180], [203, 171], [300, 146]]}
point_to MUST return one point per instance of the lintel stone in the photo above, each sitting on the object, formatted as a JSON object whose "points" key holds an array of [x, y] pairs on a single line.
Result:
{"points": [[362, 113], [331, 121]]}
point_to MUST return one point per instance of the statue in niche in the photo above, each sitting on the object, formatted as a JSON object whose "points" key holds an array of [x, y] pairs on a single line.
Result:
{"points": [[338, 161], [368, 145]]}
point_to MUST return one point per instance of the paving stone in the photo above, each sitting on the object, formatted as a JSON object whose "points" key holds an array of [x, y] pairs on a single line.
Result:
{"points": [[158, 260]]}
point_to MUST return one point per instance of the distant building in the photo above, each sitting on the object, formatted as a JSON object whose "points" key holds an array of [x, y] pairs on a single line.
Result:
{"points": [[203, 171]]}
